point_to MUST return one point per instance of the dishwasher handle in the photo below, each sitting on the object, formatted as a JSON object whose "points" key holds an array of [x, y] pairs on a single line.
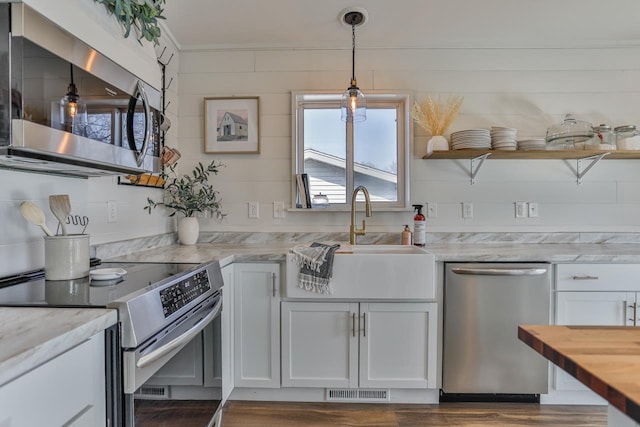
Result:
{"points": [[499, 271]]}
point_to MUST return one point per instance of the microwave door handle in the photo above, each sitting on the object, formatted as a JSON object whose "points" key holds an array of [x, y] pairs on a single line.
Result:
{"points": [[500, 271], [181, 340], [140, 155]]}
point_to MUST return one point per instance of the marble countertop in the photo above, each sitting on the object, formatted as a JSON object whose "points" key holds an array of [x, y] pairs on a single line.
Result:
{"points": [[453, 252], [604, 358], [32, 336]]}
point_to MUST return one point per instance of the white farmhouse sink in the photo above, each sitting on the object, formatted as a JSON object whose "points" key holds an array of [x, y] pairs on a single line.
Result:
{"points": [[374, 272]]}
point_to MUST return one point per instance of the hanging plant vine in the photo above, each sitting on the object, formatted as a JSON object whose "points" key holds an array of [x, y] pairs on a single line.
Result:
{"points": [[143, 15]]}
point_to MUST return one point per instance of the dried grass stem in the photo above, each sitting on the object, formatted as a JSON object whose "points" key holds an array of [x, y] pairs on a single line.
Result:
{"points": [[434, 116]]}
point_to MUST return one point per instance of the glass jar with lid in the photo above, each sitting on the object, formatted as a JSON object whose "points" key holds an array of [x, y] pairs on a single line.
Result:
{"points": [[627, 137], [320, 201], [603, 139]]}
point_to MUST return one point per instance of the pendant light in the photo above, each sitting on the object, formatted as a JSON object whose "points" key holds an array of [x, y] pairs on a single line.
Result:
{"points": [[353, 107], [73, 111]]}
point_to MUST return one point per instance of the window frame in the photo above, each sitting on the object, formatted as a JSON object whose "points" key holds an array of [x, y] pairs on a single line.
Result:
{"points": [[401, 101]]}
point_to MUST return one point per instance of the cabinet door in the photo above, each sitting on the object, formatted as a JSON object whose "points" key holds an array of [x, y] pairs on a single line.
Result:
{"points": [[319, 344], [227, 332], [591, 308], [256, 325], [595, 308], [67, 390], [398, 344]]}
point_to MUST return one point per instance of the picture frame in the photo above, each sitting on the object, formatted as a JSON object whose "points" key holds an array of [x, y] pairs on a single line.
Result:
{"points": [[232, 125]]}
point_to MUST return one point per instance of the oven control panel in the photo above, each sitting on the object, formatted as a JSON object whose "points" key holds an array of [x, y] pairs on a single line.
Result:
{"points": [[182, 293]]}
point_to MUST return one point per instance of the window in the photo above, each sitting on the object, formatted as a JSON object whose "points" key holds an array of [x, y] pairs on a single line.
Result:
{"points": [[339, 156]]}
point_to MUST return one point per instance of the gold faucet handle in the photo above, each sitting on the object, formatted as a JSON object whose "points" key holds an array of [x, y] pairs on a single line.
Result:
{"points": [[361, 231]]}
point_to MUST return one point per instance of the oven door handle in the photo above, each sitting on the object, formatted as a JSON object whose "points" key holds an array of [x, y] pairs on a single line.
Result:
{"points": [[156, 354]]}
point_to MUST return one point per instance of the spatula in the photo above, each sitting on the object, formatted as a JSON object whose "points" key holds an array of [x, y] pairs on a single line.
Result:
{"points": [[61, 208], [34, 215]]}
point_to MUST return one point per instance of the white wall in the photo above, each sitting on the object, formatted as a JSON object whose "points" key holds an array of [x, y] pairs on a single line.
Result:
{"points": [[529, 89]]}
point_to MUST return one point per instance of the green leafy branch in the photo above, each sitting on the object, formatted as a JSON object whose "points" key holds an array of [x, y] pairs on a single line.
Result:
{"points": [[141, 14], [189, 194]]}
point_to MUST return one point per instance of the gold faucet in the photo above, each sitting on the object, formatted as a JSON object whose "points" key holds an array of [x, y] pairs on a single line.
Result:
{"points": [[353, 231]]}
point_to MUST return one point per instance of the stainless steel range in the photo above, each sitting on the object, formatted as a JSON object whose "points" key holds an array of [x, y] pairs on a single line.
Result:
{"points": [[161, 308]]}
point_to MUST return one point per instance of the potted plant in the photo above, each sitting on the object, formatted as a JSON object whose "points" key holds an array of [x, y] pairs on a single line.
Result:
{"points": [[189, 194]]}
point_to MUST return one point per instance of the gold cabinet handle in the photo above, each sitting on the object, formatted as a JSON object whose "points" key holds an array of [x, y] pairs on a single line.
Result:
{"points": [[585, 277]]}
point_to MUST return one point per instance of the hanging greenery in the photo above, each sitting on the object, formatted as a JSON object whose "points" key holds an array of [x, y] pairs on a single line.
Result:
{"points": [[143, 15]]}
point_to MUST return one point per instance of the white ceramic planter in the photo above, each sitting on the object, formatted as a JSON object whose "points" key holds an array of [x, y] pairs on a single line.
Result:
{"points": [[188, 230]]}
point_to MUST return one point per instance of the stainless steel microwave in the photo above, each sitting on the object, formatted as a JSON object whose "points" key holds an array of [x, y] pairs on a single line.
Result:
{"points": [[43, 68]]}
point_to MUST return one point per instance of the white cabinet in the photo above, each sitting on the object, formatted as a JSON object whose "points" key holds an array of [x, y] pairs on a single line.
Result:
{"points": [[350, 344], [257, 325], [595, 294], [67, 390]]}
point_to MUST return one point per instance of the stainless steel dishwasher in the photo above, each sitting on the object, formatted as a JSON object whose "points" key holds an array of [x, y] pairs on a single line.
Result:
{"points": [[484, 303]]}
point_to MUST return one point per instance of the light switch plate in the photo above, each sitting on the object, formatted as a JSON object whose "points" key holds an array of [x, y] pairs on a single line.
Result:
{"points": [[432, 210], [467, 210], [533, 210], [254, 210], [521, 210], [278, 209]]}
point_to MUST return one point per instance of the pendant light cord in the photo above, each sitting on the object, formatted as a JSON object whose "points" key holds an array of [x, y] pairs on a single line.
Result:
{"points": [[71, 68], [353, 52]]}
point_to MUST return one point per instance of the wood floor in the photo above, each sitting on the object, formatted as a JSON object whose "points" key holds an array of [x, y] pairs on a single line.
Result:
{"points": [[285, 414]]}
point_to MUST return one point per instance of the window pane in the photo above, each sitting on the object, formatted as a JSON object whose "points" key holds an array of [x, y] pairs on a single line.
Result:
{"points": [[99, 127], [376, 154], [325, 151]]}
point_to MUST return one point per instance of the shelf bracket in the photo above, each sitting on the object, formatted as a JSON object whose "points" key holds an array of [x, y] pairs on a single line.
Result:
{"points": [[580, 173], [475, 165]]}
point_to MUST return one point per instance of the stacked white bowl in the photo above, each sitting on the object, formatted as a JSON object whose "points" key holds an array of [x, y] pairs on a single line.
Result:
{"points": [[503, 138]]}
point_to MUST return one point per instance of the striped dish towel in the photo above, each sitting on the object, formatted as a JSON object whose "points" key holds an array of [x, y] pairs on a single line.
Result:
{"points": [[316, 266]]}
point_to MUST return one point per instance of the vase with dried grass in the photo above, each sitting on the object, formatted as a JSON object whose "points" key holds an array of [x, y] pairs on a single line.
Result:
{"points": [[435, 116]]}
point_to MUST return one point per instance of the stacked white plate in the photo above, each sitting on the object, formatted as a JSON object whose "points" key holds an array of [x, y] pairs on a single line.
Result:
{"points": [[503, 138], [532, 144], [476, 139]]}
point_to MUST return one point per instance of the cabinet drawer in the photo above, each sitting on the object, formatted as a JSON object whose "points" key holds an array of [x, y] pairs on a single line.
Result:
{"points": [[598, 277]]}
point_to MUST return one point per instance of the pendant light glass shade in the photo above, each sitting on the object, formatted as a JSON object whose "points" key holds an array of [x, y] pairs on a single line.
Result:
{"points": [[73, 111], [353, 107]]}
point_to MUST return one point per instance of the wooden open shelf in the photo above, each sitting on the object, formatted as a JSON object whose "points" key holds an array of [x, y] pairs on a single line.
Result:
{"points": [[533, 154]]}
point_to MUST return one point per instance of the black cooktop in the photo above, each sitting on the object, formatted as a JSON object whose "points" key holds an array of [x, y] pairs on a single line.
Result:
{"points": [[35, 291]]}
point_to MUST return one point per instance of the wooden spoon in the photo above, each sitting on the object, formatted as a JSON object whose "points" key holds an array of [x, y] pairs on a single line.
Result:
{"points": [[34, 215], [61, 208]]}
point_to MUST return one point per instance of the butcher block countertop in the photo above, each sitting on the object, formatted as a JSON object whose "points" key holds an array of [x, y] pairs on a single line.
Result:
{"points": [[604, 358]]}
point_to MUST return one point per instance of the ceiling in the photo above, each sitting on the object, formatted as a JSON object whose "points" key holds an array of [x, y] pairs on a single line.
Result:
{"points": [[198, 24]]}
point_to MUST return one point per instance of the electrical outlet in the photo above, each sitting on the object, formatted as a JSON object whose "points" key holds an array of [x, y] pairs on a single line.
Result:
{"points": [[112, 211], [254, 210], [533, 210], [521, 210], [432, 209], [467, 210], [278, 209]]}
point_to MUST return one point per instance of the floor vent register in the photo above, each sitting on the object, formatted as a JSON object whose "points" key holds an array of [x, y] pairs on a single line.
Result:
{"points": [[357, 395]]}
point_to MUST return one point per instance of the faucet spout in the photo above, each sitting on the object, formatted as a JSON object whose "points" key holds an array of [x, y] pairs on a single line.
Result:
{"points": [[353, 230]]}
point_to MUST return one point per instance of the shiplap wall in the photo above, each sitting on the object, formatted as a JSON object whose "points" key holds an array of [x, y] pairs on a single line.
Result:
{"points": [[529, 89]]}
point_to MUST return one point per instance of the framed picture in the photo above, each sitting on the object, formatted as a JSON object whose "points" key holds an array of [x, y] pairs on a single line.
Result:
{"points": [[232, 125]]}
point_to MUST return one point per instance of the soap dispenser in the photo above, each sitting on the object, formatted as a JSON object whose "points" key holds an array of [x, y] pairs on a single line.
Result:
{"points": [[419, 227], [406, 235]]}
